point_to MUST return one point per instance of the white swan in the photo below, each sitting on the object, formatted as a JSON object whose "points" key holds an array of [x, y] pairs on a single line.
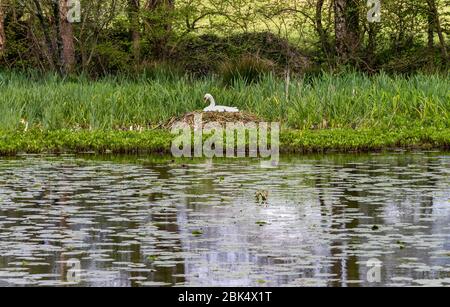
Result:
{"points": [[213, 108]]}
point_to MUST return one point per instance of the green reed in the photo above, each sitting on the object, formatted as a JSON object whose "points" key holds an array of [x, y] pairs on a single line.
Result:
{"points": [[350, 100]]}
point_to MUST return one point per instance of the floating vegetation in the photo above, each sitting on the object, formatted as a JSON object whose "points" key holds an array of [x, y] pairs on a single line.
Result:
{"points": [[401, 244], [197, 233], [152, 258], [159, 141], [262, 196]]}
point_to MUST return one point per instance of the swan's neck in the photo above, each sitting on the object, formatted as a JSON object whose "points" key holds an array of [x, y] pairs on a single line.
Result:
{"points": [[212, 102]]}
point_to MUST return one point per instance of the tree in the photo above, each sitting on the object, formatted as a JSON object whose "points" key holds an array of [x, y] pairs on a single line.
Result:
{"points": [[430, 29], [2, 28], [49, 49], [323, 36], [159, 24], [111, 32], [346, 17], [133, 16], [58, 34], [96, 19], [67, 53], [436, 24]]}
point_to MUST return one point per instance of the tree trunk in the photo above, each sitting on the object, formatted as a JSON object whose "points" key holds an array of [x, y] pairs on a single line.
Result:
{"points": [[437, 26], [66, 32], [160, 25], [346, 21], [430, 30], [2, 29], [340, 27], [319, 28], [133, 15], [156, 4], [59, 43], [48, 50]]}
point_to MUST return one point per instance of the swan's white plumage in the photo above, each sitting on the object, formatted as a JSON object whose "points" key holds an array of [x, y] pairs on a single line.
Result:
{"points": [[213, 108]]}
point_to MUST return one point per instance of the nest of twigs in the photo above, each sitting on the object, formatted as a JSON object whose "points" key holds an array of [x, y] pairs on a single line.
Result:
{"points": [[208, 117]]}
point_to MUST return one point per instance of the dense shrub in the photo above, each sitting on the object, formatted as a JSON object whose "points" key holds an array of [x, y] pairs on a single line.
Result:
{"points": [[201, 55], [249, 69]]}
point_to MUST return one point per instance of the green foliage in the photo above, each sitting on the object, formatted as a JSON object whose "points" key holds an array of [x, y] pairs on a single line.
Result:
{"points": [[346, 112], [363, 140], [248, 69], [348, 100], [160, 71], [117, 37], [205, 54], [111, 60], [159, 141], [58, 141]]}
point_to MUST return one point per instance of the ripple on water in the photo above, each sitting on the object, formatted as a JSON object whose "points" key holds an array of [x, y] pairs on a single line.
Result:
{"points": [[68, 221]]}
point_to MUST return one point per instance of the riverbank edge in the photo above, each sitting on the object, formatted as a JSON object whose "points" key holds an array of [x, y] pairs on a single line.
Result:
{"points": [[159, 141]]}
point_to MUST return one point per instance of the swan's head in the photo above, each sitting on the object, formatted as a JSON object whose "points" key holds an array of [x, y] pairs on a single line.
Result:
{"points": [[208, 97]]}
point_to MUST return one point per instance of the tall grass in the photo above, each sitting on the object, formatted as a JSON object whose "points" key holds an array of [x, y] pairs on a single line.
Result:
{"points": [[348, 100]]}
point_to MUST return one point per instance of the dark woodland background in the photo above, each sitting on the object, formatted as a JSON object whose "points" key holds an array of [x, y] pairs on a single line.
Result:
{"points": [[201, 37]]}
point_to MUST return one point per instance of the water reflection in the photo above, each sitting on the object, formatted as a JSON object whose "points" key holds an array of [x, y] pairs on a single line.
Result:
{"points": [[145, 222]]}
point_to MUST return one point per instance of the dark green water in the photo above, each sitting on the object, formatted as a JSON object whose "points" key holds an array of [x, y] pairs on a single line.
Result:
{"points": [[140, 221]]}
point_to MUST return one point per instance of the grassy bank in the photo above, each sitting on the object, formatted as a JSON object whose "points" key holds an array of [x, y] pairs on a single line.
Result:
{"points": [[159, 141], [349, 112], [350, 100]]}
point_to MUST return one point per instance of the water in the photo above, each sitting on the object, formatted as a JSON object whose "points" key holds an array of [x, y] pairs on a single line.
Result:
{"points": [[142, 221]]}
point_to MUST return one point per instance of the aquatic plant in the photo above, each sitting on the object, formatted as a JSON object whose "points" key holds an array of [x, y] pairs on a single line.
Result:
{"points": [[350, 100], [159, 141]]}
